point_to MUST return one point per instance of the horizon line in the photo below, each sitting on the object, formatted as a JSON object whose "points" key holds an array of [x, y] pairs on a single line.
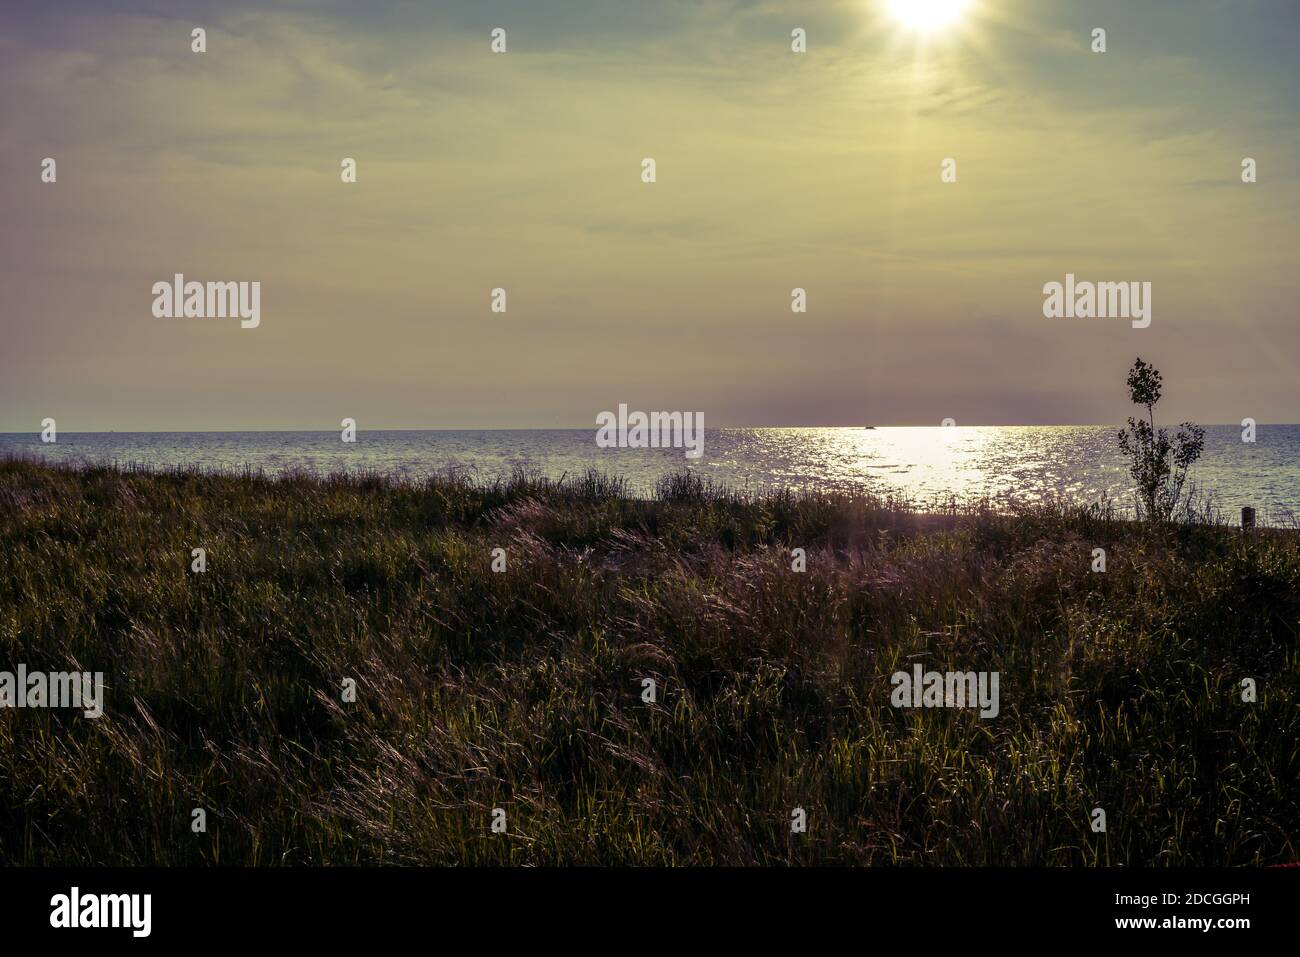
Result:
{"points": [[562, 428]]}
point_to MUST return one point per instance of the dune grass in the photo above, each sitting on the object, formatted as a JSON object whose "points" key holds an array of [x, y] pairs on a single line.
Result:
{"points": [[521, 690]]}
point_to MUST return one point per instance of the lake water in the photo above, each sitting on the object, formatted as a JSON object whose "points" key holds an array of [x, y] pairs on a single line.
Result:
{"points": [[926, 465]]}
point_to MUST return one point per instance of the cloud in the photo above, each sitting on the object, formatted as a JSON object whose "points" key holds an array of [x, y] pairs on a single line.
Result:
{"points": [[475, 171]]}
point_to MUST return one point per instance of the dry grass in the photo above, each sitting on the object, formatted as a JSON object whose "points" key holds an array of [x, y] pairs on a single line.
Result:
{"points": [[521, 690]]}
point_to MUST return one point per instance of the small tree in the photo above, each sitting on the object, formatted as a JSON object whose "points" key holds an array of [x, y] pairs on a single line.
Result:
{"points": [[1157, 463]]}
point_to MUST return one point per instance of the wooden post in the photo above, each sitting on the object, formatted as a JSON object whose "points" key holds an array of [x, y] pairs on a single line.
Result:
{"points": [[1247, 518]]}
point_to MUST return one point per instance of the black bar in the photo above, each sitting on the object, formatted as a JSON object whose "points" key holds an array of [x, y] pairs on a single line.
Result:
{"points": [[931, 908]]}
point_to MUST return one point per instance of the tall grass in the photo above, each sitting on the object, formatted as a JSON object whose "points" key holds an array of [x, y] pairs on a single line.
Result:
{"points": [[522, 689]]}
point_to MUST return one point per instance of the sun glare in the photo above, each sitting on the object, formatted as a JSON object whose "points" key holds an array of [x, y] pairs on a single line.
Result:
{"points": [[927, 15]]}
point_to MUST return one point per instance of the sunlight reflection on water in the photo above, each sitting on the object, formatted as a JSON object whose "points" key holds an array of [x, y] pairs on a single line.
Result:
{"points": [[927, 466]]}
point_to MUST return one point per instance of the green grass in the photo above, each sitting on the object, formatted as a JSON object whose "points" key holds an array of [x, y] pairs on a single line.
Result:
{"points": [[522, 690]]}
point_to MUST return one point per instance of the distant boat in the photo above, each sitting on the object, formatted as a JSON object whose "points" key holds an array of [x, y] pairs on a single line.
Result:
{"points": [[868, 426]]}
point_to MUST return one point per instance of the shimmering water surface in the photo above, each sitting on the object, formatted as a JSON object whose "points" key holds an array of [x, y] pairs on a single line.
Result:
{"points": [[926, 465]]}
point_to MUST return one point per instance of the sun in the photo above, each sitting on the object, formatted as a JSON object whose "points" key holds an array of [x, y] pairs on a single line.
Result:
{"points": [[927, 15]]}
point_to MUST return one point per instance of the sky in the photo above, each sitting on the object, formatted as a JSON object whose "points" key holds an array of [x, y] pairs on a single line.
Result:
{"points": [[523, 171]]}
